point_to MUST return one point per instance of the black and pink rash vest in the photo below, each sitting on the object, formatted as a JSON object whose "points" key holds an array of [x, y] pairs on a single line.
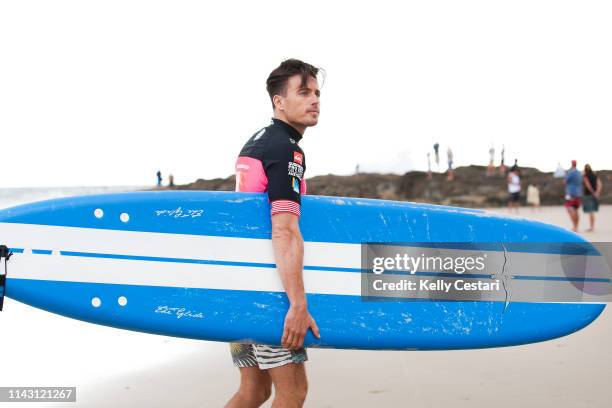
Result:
{"points": [[271, 161]]}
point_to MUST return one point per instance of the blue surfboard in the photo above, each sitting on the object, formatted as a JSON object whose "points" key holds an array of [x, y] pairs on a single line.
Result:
{"points": [[200, 265]]}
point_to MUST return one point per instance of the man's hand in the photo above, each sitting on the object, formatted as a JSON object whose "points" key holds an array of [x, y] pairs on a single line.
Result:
{"points": [[297, 323], [289, 255]]}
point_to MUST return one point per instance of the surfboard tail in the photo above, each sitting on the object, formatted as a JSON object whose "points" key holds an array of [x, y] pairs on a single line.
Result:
{"points": [[5, 254]]}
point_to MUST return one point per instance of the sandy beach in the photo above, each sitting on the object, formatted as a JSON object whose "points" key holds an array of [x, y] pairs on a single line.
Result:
{"points": [[112, 367]]}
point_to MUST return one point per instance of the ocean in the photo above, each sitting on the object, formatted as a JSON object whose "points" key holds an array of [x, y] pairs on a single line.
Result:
{"points": [[51, 350], [10, 197]]}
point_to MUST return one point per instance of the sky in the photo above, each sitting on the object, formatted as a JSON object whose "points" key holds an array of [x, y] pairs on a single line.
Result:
{"points": [[108, 92]]}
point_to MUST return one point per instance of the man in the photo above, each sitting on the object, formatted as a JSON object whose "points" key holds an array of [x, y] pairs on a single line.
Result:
{"points": [[449, 156], [514, 166], [514, 190], [272, 161], [437, 153], [573, 194], [491, 167], [502, 165]]}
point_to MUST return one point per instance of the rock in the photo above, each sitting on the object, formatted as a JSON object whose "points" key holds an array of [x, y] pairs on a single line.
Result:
{"points": [[470, 188]]}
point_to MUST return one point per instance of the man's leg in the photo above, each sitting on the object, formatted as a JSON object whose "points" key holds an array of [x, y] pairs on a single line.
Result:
{"points": [[576, 218], [290, 385], [591, 221], [255, 384], [573, 213], [255, 388]]}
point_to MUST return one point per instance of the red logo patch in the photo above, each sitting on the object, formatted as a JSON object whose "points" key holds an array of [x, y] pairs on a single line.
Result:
{"points": [[298, 158]]}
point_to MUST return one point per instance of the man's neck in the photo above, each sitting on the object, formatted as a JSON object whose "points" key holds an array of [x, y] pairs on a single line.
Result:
{"points": [[300, 128]]}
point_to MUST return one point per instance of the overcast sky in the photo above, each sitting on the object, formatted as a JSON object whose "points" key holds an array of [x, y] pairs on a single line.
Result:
{"points": [[108, 92]]}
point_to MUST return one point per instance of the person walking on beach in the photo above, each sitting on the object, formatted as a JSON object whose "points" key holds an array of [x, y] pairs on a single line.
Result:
{"points": [[491, 167], [436, 147], [573, 194], [514, 190], [515, 165], [502, 165], [533, 196], [592, 190], [272, 161], [449, 156], [159, 178]]}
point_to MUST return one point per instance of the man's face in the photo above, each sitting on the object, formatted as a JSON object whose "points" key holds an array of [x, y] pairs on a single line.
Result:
{"points": [[300, 105]]}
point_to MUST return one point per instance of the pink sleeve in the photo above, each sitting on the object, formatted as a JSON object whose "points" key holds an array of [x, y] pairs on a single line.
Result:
{"points": [[250, 175]]}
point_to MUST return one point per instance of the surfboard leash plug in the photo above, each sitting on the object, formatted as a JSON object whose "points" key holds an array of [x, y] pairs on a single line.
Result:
{"points": [[5, 255]]}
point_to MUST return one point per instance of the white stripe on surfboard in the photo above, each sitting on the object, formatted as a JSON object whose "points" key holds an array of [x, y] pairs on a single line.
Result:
{"points": [[171, 274]]}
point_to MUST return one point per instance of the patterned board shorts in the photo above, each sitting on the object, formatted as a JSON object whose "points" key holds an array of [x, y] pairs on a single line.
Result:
{"points": [[264, 357]]}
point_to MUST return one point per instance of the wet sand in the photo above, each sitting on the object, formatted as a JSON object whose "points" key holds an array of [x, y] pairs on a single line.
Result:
{"points": [[118, 368]]}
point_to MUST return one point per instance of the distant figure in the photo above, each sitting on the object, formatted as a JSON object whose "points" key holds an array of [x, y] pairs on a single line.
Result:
{"points": [[560, 172], [170, 180], [437, 153], [515, 166], [533, 197], [502, 166], [573, 194], [491, 168], [429, 174], [451, 174], [357, 169], [159, 178], [592, 190], [514, 190]]}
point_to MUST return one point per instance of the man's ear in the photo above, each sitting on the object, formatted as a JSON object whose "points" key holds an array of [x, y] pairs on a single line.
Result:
{"points": [[278, 102]]}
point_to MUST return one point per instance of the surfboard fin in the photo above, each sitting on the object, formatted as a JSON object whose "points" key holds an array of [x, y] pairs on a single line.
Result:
{"points": [[5, 254]]}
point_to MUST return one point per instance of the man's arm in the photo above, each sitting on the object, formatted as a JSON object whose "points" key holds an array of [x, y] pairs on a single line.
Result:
{"points": [[588, 185], [599, 187], [289, 255]]}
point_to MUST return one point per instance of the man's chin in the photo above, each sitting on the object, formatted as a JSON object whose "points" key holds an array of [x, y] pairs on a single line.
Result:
{"points": [[311, 122]]}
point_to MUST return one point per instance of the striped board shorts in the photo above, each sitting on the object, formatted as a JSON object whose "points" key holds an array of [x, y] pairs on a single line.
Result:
{"points": [[264, 357]]}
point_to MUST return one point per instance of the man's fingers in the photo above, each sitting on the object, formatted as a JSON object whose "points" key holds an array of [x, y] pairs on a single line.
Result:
{"points": [[289, 342], [293, 337], [294, 341], [315, 329], [298, 341], [285, 336]]}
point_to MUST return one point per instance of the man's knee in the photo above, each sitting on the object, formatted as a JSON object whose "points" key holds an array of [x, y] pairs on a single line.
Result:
{"points": [[292, 387], [301, 390], [256, 394], [255, 385], [295, 396]]}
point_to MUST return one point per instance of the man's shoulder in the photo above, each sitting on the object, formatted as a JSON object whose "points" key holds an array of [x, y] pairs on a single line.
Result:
{"points": [[262, 133], [256, 145], [271, 142]]}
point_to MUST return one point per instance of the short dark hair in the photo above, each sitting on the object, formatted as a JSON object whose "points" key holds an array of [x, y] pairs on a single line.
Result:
{"points": [[276, 84]]}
